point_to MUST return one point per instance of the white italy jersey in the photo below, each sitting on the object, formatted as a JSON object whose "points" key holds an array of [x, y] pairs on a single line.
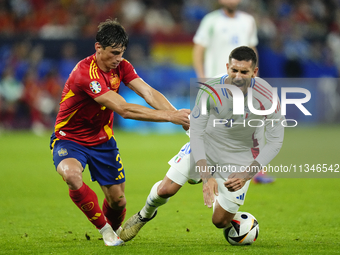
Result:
{"points": [[220, 34], [224, 138]]}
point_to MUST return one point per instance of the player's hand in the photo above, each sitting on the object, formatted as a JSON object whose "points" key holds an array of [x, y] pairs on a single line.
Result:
{"points": [[236, 181], [186, 127], [180, 117], [210, 189]]}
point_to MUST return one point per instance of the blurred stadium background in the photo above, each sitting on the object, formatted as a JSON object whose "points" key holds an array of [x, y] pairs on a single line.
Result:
{"points": [[41, 41]]}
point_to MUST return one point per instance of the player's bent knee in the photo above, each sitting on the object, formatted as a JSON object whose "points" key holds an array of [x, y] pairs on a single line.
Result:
{"points": [[73, 180], [167, 188], [71, 171], [165, 191], [117, 201], [220, 223], [120, 203], [73, 177]]}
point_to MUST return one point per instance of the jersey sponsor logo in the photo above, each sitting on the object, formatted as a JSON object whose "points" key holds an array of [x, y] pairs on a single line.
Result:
{"points": [[62, 152], [114, 82], [87, 207], [241, 197], [95, 87]]}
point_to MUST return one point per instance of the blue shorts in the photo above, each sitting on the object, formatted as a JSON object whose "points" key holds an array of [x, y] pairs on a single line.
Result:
{"points": [[104, 160]]}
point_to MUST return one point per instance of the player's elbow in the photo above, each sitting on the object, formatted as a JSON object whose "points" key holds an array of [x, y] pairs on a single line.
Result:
{"points": [[125, 113], [150, 96]]}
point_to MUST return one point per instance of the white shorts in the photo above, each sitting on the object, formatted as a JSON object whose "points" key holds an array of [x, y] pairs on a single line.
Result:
{"points": [[183, 168]]}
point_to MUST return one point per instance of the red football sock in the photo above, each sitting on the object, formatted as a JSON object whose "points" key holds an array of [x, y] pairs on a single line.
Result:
{"points": [[114, 217], [87, 201]]}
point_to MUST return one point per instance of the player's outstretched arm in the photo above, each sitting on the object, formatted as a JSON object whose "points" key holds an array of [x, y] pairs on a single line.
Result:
{"points": [[117, 103], [153, 97]]}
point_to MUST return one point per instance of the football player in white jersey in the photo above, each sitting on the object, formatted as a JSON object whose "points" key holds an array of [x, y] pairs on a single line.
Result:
{"points": [[226, 150], [219, 33]]}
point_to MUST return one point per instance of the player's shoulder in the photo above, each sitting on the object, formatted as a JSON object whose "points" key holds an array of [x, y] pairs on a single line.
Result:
{"points": [[126, 69], [211, 16], [209, 84], [260, 82], [86, 70], [244, 16], [88, 64], [262, 89], [218, 79], [125, 63]]}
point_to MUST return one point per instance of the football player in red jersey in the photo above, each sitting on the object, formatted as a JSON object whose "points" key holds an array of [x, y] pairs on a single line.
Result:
{"points": [[83, 132]]}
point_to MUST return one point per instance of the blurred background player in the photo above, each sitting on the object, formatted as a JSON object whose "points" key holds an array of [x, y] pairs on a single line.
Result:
{"points": [[83, 133], [226, 145], [218, 34]]}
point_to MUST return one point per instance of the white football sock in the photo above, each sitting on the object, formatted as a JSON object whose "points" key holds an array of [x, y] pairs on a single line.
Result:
{"points": [[153, 202]]}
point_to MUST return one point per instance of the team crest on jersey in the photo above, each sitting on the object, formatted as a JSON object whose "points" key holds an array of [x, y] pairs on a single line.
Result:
{"points": [[114, 82], [62, 152], [178, 158], [95, 87]]}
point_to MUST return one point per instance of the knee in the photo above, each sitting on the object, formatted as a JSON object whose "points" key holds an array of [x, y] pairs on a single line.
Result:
{"points": [[220, 222], [71, 172], [73, 178], [117, 201], [165, 192]]}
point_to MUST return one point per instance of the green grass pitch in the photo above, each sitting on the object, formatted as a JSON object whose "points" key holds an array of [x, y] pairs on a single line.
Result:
{"points": [[296, 215]]}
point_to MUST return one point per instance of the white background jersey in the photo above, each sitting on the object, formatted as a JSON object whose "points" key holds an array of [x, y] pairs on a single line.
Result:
{"points": [[220, 34], [237, 141]]}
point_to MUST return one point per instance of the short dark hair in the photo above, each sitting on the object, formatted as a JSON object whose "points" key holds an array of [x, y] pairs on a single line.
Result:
{"points": [[244, 53], [112, 33]]}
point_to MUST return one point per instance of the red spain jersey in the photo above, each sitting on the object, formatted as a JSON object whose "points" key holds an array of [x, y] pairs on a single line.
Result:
{"points": [[80, 117]]}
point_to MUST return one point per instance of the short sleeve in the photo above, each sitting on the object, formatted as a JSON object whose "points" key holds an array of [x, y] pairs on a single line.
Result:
{"points": [[95, 88], [128, 72]]}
